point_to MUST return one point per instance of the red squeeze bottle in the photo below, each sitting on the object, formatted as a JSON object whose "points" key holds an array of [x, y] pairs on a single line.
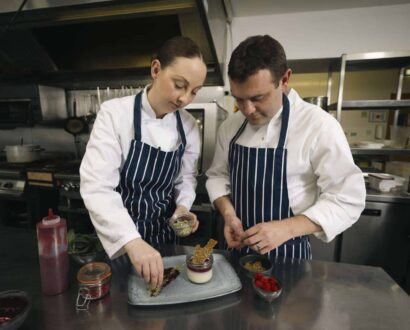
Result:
{"points": [[53, 255]]}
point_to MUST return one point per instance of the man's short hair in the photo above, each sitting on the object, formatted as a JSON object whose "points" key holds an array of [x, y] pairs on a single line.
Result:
{"points": [[257, 53]]}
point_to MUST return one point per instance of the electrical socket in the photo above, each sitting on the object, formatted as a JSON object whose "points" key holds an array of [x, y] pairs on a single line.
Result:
{"points": [[377, 116]]}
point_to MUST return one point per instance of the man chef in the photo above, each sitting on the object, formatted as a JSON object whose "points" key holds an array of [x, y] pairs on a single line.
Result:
{"points": [[282, 167]]}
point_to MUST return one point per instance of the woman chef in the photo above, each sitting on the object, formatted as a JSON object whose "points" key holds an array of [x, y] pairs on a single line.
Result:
{"points": [[140, 164]]}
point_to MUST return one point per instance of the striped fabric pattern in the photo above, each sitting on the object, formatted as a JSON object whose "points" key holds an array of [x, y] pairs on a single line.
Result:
{"points": [[259, 187], [147, 183]]}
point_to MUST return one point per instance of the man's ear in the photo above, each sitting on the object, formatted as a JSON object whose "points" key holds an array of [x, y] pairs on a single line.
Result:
{"points": [[155, 68], [286, 78]]}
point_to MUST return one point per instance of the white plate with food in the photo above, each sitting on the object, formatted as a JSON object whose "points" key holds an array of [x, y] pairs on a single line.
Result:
{"points": [[180, 289]]}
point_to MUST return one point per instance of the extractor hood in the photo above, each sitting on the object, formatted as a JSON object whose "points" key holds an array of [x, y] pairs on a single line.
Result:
{"points": [[84, 44]]}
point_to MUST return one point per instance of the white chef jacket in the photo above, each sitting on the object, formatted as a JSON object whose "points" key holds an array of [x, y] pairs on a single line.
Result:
{"points": [[323, 182], [107, 152]]}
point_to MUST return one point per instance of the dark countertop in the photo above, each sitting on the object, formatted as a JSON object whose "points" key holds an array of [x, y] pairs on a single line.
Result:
{"points": [[316, 295]]}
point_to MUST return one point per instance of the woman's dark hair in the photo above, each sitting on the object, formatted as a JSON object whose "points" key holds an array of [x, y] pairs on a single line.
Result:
{"points": [[257, 53], [177, 47]]}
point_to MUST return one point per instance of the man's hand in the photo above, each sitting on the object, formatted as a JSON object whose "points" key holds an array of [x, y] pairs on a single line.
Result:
{"points": [[233, 232], [146, 260], [266, 236], [182, 209]]}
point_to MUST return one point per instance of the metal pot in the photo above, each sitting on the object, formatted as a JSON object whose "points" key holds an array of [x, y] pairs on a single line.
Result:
{"points": [[320, 101], [23, 153]]}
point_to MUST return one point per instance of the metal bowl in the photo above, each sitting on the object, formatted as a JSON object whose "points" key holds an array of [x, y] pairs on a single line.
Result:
{"points": [[268, 296], [252, 258], [14, 307]]}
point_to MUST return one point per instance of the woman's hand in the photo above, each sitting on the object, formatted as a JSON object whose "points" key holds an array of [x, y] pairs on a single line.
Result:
{"points": [[146, 260], [181, 210]]}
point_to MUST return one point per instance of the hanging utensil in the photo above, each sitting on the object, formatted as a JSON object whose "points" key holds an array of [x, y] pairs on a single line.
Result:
{"points": [[76, 125]]}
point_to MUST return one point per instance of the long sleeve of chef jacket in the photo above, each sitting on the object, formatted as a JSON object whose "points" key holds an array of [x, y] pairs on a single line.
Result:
{"points": [[106, 154], [323, 182]]}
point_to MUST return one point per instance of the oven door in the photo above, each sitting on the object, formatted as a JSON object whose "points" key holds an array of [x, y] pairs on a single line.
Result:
{"points": [[15, 113], [209, 117]]}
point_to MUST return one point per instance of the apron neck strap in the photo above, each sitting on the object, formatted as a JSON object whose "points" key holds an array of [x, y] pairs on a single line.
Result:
{"points": [[285, 122], [137, 120], [284, 126], [180, 128], [137, 116]]}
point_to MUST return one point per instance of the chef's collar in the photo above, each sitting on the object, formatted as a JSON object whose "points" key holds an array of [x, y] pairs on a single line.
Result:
{"points": [[145, 106], [270, 122]]}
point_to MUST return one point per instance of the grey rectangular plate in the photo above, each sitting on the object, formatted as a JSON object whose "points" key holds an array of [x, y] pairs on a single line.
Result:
{"points": [[181, 290]]}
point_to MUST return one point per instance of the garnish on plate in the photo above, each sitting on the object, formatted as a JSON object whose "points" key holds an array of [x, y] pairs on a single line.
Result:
{"points": [[170, 274], [203, 253]]}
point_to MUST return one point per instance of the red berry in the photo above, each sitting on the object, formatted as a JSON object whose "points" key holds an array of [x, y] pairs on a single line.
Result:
{"points": [[258, 276], [259, 284]]}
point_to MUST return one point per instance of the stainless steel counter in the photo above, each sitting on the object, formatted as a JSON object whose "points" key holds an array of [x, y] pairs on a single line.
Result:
{"points": [[377, 196], [316, 295]]}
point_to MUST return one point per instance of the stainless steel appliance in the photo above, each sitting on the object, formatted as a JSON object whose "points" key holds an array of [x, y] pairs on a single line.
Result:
{"points": [[381, 237], [27, 190], [13, 202], [26, 105], [209, 117]]}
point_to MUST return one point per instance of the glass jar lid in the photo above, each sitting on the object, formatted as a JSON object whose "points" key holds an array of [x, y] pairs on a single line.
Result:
{"points": [[93, 273]]}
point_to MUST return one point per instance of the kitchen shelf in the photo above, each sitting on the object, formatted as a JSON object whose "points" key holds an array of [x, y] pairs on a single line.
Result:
{"points": [[381, 151], [348, 62], [372, 104]]}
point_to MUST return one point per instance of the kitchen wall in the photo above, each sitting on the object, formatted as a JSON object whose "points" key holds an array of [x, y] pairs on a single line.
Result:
{"points": [[327, 34]]}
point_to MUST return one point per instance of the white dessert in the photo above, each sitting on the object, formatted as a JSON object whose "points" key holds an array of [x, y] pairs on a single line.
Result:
{"points": [[199, 276]]}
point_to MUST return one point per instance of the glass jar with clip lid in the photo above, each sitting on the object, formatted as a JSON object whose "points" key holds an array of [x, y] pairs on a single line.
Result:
{"points": [[94, 282]]}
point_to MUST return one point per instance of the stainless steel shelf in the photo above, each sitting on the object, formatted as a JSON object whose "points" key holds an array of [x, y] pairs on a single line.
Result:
{"points": [[377, 55], [378, 58], [382, 151], [372, 104]]}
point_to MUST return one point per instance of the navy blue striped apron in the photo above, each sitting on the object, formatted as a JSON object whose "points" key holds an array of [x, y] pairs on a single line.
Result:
{"points": [[259, 188], [147, 183]]}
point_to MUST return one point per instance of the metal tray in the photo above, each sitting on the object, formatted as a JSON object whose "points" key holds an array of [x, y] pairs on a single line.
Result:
{"points": [[224, 281]]}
